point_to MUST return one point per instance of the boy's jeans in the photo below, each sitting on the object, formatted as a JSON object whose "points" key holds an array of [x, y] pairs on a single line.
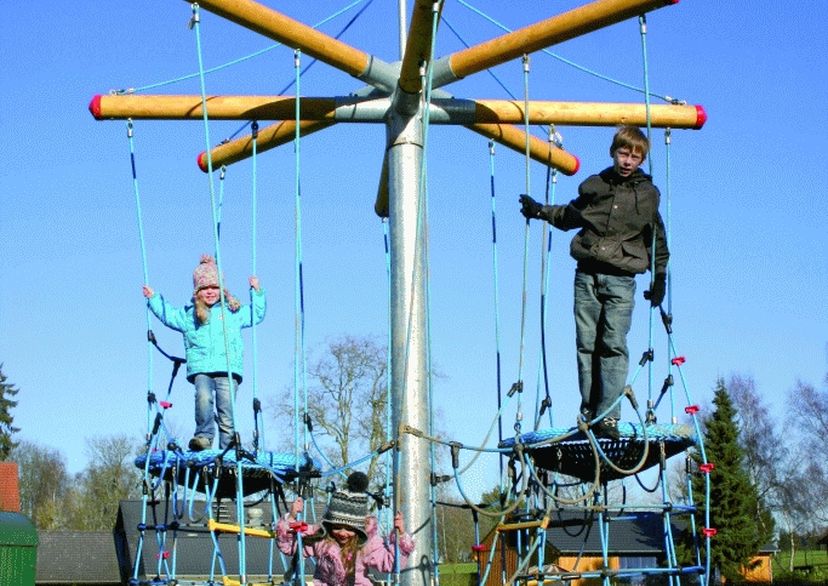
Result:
{"points": [[206, 387], [603, 312]]}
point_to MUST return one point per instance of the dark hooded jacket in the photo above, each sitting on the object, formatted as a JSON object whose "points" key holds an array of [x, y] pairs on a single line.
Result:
{"points": [[617, 217]]}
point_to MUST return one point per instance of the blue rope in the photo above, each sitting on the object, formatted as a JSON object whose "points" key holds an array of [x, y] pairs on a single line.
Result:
{"points": [[300, 363], [566, 61], [489, 71], [551, 184], [526, 232], [669, 205], [196, 20], [140, 223], [240, 59], [222, 174], [313, 61], [429, 75], [651, 314], [389, 420], [254, 204], [496, 284], [300, 367]]}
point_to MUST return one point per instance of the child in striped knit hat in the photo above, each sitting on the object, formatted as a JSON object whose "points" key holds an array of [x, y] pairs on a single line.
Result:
{"points": [[210, 331], [346, 545]]}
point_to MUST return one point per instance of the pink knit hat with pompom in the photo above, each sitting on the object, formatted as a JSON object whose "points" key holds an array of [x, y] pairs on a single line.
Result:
{"points": [[205, 274]]}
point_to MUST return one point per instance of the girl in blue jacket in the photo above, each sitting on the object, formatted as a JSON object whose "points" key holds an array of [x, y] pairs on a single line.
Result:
{"points": [[207, 343]]}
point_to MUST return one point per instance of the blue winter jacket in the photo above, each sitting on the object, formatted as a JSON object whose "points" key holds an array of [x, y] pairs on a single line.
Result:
{"points": [[204, 343]]}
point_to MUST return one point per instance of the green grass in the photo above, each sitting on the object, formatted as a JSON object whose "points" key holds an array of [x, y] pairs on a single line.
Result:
{"points": [[458, 574], [809, 565]]}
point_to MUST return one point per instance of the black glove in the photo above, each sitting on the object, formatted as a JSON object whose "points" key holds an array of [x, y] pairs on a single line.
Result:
{"points": [[529, 207], [657, 289]]}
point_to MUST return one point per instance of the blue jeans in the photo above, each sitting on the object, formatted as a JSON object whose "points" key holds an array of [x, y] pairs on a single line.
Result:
{"points": [[207, 387], [603, 312]]}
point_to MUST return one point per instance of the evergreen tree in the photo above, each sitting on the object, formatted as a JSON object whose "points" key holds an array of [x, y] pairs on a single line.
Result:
{"points": [[7, 392], [734, 501]]}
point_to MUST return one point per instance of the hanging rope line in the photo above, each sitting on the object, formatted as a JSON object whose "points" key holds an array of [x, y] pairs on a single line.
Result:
{"points": [[140, 222], [300, 362], [517, 388], [496, 285], [196, 26], [546, 252], [592, 72], [388, 487], [427, 75], [258, 423], [234, 62], [150, 394], [667, 318], [642, 23], [313, 62]]}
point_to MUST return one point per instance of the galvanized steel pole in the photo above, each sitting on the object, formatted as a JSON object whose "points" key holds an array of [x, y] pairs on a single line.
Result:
{"points": [[409, 352]]}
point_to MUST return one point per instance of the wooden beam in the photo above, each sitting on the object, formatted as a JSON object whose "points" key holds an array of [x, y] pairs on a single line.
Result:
{"points": [[381, 206], [269, 137], [539, 150], [297, 35], [590, 113], [188, 107], [418, 46], [554, 30], [180, 107]]}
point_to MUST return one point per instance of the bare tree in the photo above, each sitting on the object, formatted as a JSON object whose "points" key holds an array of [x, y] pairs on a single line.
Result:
{"points": [[794, 499], [347, 399], [764, 447], [45, 492], [809, 411], [808, 420], [782, 465], [109, 477]]}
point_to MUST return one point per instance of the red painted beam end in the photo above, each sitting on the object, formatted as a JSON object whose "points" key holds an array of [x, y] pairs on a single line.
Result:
{"points": [[95, 107], [701, 116]]}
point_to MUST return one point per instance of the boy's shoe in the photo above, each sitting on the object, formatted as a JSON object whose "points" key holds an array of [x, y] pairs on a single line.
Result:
{"points": [[199, 443], [607, 428]]}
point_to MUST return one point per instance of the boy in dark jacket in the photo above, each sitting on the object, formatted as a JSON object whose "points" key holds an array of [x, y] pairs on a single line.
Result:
{"points": [[617, 213]]}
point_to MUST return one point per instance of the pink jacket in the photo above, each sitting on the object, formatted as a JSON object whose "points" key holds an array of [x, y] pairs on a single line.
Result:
{"points": [[375, 553]]}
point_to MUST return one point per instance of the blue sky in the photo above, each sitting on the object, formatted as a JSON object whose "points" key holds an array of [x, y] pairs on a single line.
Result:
{"points": [[748, 207]]}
